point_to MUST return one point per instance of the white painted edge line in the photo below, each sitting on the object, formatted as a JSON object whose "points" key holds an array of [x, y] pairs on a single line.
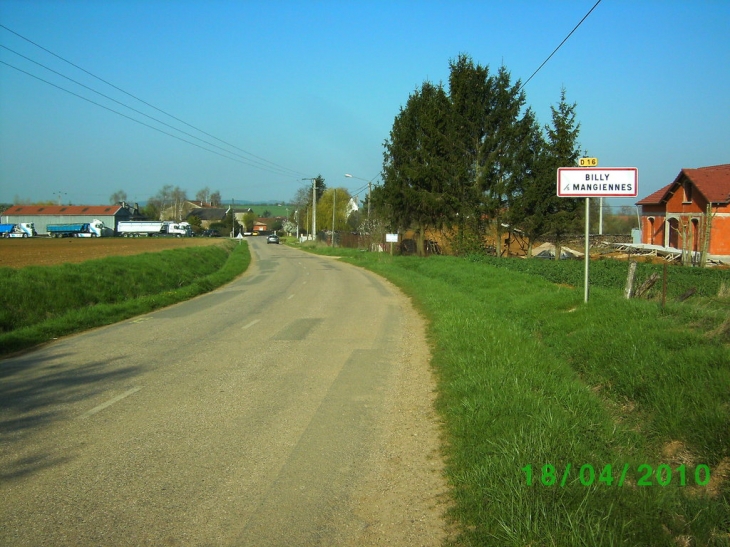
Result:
{"points": [[110, 402], [251, 324]]}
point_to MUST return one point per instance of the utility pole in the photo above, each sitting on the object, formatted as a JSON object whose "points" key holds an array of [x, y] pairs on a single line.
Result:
{"points": [[314, 209], [600, 217], [334, 206], [314, 206], [370, 193]]}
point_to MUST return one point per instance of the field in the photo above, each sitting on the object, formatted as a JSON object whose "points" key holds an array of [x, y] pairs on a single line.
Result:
{"points": [[61, 290], [41, 251]]}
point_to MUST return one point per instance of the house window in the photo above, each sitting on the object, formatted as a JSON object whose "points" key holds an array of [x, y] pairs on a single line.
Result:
{"points": [[687, 192]]}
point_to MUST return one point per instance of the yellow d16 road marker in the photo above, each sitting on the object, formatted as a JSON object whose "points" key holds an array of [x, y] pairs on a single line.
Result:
{"points": [[588, 162]]}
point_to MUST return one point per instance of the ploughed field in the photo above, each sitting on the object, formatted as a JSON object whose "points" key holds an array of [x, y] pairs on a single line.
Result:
{"points": [[48, 251]]}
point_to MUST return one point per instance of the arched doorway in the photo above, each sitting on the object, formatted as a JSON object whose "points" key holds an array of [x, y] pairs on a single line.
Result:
{"points": [[672, 235]]}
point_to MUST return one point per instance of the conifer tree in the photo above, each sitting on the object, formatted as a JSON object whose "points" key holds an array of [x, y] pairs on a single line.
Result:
{"points": [[416, 165]]}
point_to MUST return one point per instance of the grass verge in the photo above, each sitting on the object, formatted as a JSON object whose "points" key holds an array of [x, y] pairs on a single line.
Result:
{"points": [[530, 376], [38, 304]]}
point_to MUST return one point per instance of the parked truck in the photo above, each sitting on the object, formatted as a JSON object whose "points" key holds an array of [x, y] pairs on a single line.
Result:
{"points": [[153, 228], [22, 229], [95, 228]]}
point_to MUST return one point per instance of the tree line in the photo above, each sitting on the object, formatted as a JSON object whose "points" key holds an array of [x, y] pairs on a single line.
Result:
{"points": [[327, 199], [170, 196], [474, 159]]}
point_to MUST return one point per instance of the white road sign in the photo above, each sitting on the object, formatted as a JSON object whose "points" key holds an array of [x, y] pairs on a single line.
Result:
{"points": [[598, 182]]}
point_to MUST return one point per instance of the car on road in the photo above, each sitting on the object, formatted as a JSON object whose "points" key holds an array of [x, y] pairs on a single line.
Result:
{"points": [[273, 238], [210, 233]]}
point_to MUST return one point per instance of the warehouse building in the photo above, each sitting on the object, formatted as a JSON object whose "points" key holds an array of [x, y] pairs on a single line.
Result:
{"points": [[43, 215]]}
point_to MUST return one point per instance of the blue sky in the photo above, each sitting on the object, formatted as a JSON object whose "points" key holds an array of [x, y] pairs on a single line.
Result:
{"points": [[313, 87]]}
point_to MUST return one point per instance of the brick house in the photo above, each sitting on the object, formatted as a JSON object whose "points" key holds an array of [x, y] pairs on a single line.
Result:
{"points": [[676, 216]]}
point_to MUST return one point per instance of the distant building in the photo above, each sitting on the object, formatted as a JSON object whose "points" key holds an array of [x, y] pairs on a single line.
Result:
{"points": [[207, 215], [675, 217], [43, 215]]}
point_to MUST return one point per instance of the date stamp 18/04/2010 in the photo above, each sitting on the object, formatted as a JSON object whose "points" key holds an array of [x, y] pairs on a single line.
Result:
{"points": [[644, 475]]}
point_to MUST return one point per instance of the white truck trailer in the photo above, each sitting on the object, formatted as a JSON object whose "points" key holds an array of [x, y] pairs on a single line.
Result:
{"points": [[95, 228], [153, 228], [22, 229]]}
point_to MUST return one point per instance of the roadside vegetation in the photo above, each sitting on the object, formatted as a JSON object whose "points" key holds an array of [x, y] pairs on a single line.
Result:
{"points": [[38, 304], [529, 375]]}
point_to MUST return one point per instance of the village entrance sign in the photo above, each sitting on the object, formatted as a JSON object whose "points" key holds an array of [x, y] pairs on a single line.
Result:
{"points": [[596, 182]]}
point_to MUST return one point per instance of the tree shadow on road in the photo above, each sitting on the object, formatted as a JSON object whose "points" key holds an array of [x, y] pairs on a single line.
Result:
{"points": [[39, 389]]}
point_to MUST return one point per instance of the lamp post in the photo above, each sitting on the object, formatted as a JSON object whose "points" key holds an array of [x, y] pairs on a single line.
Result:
{"points": [[334, 208], [370, 187]]}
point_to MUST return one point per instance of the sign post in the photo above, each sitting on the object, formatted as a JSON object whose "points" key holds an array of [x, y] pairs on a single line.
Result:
{"points": [[391, 238], [596, 182]]}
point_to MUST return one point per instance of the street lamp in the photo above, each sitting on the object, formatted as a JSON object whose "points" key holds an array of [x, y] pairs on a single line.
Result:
{"points": [[370, 185]]}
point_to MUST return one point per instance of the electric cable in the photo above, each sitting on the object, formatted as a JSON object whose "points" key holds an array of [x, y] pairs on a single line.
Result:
{"points": [[247, 160], [129, 117], [559, 46], [281, 167]]}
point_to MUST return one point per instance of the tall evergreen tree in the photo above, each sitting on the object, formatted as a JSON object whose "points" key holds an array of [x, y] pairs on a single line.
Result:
{"points": [[470, 94], [562, 215], [416, 164], [508, 136]]}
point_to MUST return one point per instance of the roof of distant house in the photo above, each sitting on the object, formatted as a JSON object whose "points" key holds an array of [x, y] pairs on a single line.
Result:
{"points": [[90, 210], [712, 182]]}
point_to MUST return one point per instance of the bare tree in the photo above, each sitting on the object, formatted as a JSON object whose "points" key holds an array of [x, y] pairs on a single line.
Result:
{"points": [[203, 195]]}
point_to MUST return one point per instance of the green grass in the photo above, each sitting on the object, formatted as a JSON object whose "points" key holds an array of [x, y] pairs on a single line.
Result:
{"points": [[275, 210], [611, 274], [38, 304], [529, 375]]}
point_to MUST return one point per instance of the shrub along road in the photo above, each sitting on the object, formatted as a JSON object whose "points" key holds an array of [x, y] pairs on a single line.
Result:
{"points": [[291, 407]]}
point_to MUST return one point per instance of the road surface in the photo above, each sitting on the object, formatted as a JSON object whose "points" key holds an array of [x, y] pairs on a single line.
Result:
{"points": [[291, 407]]}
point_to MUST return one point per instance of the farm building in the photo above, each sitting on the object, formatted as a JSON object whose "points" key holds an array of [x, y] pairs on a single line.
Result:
{"points": [[690, 214], [207, 215], [43, 215]]}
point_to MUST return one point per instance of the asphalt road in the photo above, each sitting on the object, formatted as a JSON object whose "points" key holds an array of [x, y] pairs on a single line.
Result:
{"points": [[242, 417]]}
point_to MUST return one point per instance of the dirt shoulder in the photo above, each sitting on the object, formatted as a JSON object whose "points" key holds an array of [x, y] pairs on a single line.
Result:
{"points": [[404, 494]]}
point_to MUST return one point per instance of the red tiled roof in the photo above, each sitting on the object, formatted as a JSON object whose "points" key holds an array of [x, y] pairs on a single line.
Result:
{"points": [[656, 197], [712, 182], [91, 210]]}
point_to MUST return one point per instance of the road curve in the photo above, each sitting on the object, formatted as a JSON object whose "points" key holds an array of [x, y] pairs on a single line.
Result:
{"points": [[291, 407]]}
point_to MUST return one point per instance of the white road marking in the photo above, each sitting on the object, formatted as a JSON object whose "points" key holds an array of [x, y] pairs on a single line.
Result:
{"points": [[110, 402], [251, 324]]}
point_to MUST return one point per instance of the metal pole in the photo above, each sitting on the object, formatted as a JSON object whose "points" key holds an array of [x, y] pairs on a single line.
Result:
{"points": [[314, 209], [334, 206], [600, 217], [588, 246], [370, 192]]}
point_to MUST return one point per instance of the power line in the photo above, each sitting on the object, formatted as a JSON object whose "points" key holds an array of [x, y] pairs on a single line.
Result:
{"points": [[247, 161], [273, 164], [124, 115], [559, 46]]}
